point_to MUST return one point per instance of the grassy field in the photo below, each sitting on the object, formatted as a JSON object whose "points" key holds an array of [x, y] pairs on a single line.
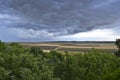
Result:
{"points": [[73, 46]]}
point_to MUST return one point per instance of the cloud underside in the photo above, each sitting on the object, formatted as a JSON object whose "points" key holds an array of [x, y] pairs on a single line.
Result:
{"points": [[29, 35], [51, 19]]}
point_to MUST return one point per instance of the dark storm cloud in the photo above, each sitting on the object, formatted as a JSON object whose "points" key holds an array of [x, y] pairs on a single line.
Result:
{"points": [[60, 17]]}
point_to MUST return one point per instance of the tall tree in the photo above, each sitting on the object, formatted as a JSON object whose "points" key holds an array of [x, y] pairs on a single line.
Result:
{"points": [[117, 43]]}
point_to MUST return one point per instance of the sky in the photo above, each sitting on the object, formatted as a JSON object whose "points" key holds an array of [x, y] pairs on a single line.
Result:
{"points": [[59, 20]]}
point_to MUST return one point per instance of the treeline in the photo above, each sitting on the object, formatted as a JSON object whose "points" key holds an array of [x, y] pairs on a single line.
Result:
{"points": [[19, 63]]}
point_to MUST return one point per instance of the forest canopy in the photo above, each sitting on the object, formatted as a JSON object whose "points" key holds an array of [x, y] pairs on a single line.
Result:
{"points": [[20, 63]]}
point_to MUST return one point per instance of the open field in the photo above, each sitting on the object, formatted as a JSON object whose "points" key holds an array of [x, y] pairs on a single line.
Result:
{"points": [[73, 46]]}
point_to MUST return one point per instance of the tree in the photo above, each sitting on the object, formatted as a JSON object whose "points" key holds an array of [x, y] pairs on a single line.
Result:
{"points": [[117, 43], [36, 51], [17, 63], [93, 65], [2, 46], [20, 63]]}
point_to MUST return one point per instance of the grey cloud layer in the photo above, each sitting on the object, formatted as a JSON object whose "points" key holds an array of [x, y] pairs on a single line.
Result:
{"points": [[60, 17]]}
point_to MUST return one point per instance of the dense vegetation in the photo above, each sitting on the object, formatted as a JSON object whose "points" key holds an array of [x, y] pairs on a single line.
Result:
{"points": [[19, 63]]}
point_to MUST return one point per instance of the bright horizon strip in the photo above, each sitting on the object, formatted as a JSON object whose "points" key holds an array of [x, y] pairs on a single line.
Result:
{"points": [[94, 35]]}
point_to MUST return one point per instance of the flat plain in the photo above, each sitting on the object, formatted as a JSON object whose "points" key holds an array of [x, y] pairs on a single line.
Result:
{"points": [[73, 46]]}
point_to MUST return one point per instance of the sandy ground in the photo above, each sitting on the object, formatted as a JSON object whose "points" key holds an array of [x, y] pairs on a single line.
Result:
{"points": [[71, 46]]}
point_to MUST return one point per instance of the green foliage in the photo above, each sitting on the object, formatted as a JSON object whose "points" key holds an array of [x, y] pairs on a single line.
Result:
{"points": [[36, 51], [19, 63], [2, 46], [93, 65], [114, 75], [117, 43]]}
